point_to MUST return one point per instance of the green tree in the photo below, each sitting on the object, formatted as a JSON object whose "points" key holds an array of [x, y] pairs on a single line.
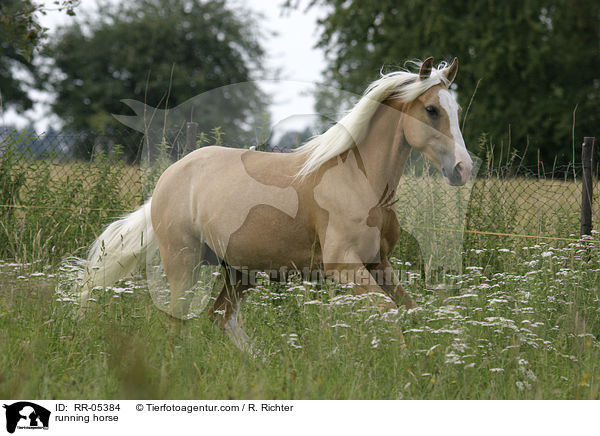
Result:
{"points": [[20, 35], [159, 52], [536, 60]]}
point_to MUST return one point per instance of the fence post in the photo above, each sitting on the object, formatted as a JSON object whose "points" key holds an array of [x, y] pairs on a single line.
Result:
{"points": [[587, 186], [191, 133]]}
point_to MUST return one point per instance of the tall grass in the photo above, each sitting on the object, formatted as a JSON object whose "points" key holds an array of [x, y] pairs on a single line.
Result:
{"points": [[50, 209], [530, 331], [521, 322]]}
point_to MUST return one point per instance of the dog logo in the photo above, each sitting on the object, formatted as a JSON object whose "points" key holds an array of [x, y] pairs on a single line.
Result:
{"points": [[26, 415]]}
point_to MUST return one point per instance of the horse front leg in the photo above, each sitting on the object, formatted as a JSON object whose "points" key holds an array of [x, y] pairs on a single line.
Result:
{"points": [[363, 281], [387, 279]]}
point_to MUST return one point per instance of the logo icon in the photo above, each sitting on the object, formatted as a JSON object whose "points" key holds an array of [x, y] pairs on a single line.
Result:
{"points": [[26, 415]]}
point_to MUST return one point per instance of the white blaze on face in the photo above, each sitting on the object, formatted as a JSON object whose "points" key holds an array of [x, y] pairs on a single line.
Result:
{"points": [[449, 104]]}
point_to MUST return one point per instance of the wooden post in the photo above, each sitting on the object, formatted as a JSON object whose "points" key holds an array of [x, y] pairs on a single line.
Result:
{"points": [[587, 154], [191, 132]]}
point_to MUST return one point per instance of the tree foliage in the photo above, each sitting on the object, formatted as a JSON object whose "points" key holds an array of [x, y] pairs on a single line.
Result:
{"points": [[159, 52], [20, 35], [536, 61]]}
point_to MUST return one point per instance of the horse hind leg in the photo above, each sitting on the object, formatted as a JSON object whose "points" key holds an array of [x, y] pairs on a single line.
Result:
{"points": [[181, 263], [225, 311]]}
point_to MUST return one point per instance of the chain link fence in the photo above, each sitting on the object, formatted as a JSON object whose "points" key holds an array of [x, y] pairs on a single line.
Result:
{"points": [[57, 191]]}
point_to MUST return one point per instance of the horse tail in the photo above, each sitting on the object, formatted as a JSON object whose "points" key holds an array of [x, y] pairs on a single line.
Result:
{"points": [[118, 251]]}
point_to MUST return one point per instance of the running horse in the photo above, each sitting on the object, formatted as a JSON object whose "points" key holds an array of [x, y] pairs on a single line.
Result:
{"points": [[327, 207]]}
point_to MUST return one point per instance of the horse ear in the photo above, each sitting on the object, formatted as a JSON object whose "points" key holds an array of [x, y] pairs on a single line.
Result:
{"points": [[425, 71], [452, 70]]}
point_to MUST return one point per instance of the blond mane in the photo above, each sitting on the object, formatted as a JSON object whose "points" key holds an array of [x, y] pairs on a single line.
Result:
{"points": [[352, 128]]}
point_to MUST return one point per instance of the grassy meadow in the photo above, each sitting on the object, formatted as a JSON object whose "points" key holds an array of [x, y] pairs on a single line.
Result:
{"points": [[522, 320], [525, 330]]}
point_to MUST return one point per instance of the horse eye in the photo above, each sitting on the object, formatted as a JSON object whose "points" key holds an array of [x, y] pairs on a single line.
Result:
{"points": [[431, 111]]}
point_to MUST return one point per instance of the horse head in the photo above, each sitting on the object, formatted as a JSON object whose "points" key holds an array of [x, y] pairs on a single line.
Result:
{"points": [[430, 124]]}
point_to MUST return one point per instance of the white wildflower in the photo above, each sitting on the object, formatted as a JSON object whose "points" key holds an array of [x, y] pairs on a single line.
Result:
{"points": [[340, 325], [375, 342]]}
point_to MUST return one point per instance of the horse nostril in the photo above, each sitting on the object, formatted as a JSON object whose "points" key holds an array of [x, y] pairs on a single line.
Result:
{"points": [[458, 169]]}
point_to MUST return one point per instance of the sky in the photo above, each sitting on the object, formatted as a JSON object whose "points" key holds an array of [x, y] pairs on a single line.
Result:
{"points": [[290, 52]]}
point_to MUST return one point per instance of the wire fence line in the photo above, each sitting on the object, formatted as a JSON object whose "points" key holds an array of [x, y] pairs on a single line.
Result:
{"points": [[97, 177]]}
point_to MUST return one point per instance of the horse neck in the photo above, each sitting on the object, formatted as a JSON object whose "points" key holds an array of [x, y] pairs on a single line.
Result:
{"points": [[384, 150]]}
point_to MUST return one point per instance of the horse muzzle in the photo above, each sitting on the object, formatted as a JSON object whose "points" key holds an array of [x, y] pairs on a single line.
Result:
{"points": [[459, 174]]}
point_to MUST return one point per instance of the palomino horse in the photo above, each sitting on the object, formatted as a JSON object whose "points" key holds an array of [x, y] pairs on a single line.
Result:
{"points": [[327, 207]]}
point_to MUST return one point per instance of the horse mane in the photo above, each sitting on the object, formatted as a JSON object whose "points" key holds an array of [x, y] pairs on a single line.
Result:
{"points": [[352, 128]]}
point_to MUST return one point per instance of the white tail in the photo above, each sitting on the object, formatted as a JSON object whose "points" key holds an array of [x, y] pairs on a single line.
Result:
{"points": [[118, 251]]}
